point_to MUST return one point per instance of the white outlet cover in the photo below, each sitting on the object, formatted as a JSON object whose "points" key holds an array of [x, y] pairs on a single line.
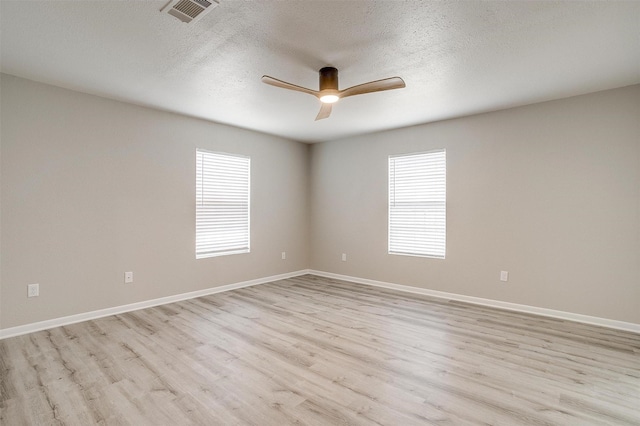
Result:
{"points": [[504, 276], [33, 290], [128, 277]]}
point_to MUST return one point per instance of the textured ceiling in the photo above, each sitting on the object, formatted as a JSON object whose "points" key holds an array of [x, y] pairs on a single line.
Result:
{"points": [[457, 58]]}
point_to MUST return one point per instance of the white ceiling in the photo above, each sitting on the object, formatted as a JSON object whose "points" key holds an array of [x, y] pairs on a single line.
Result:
{"points": [[457, 58]]}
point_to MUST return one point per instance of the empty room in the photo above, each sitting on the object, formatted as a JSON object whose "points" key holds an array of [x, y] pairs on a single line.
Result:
{"points": [[319, 212]]}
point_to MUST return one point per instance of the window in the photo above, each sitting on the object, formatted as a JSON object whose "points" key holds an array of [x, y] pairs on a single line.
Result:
{"points": [[417, 204], [222, 204]]}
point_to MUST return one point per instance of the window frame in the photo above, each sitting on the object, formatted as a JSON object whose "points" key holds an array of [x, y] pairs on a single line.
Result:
{"points": [[240, 248], [441, 215]]}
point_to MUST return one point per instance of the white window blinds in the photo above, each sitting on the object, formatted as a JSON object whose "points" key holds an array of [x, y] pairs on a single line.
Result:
{"points": [[222, 204], [417, 204]]}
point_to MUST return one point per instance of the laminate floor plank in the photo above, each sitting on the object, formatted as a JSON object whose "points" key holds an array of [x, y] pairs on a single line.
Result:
{"points": [[317, 351]]}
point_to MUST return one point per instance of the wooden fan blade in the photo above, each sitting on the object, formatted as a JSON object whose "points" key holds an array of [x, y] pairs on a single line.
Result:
{"points": [[284, 85], [373, 86], [325, 111]]}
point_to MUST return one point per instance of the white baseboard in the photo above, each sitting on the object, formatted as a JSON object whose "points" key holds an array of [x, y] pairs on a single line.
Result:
{"points": [[586, 319], [71, 319]]}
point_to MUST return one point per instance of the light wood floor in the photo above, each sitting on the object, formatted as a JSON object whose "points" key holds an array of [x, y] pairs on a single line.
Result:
{"points": [[310, 350]]}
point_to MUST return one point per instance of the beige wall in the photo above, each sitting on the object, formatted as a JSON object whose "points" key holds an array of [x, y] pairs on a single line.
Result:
{"points": [[549, 192], [92, 188]]}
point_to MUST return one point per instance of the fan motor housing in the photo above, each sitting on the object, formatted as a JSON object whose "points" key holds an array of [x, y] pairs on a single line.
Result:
{"points": [[328, 78]]}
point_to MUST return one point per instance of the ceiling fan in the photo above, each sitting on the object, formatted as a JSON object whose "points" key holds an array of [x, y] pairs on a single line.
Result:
{"points": [[329, 92]]}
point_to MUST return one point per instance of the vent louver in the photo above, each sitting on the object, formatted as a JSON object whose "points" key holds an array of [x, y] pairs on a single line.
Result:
{"points": [[189, 11]]}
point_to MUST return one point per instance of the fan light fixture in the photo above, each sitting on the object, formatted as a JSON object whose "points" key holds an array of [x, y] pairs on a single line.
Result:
{"points": [[329, 98], [329, 92]]}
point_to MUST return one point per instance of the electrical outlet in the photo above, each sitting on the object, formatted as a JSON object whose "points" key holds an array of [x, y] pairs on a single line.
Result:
{"points": [[344, 257], [504, 276], [128, 277], [33, 290], [284, 255]]}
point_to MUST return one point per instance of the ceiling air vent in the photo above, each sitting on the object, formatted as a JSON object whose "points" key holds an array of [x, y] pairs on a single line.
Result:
{"points": [[189, 11]]}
